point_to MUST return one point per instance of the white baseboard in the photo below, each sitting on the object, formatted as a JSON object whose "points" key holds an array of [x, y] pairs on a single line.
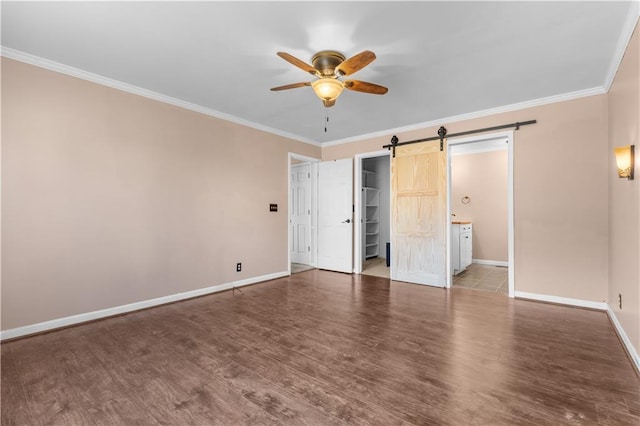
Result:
{"points": [[601, 306], [631, 350], [491, 262], [116, 310]]}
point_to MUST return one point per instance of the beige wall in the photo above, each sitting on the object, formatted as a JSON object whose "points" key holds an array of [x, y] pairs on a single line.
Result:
{"points": [[483, 177], [109, 198], [624, 195], [561, 174]]}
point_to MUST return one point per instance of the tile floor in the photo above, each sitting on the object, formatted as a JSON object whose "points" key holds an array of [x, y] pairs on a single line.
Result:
{"points": [[478, 277], [376, 266], [484, 277]]}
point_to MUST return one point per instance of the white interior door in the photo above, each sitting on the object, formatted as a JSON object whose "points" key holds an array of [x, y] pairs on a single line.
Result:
{"points": [[419, 214], [335, 215], [300, 213]]}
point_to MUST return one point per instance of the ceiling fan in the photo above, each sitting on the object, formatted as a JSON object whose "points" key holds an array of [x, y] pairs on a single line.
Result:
{"points": [[328, 66]]}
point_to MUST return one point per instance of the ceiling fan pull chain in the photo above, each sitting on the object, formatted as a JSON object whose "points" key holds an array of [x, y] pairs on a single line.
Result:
{"points": [[326, 119]]}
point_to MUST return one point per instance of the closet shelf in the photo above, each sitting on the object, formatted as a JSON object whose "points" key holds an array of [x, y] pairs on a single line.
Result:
{"points": [[371, 211]]}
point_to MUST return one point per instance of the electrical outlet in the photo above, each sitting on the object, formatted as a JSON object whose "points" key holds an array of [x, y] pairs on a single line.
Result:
{"points": [[620, 300], [238, 267]]}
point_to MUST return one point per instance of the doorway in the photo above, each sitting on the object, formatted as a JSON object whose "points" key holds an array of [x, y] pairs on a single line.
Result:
{"points": [[480, 192], [321, 224], [372, 214], [302, 202]]}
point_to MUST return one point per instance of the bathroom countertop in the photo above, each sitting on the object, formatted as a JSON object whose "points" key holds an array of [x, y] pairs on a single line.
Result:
{"points": [[461, 222]]}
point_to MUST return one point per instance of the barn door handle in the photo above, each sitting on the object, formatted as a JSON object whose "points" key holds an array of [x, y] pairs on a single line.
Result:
{"points": [[347, 221]]}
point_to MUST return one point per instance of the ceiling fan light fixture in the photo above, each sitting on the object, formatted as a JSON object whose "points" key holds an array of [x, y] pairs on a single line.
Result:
{"points": [[328, 66], [327, 88]]}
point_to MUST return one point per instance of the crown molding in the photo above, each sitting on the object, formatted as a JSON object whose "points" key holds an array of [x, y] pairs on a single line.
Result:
{"points": [[625, 37], [98, 79], [129, 88], [478, 114]]}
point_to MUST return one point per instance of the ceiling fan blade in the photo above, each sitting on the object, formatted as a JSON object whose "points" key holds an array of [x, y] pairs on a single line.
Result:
{"points": [[363, 86], [290, 86], [355, 63], [298, 63], [328, 104]]}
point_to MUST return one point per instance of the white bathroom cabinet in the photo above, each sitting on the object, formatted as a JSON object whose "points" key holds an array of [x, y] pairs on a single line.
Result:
{"points": [[461, 246]]}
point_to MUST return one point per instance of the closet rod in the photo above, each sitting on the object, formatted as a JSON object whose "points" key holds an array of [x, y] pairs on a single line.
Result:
{"points": [[442, 132]]}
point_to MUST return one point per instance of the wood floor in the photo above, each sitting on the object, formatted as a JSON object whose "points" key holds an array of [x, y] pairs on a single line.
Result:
{"points": [[324, 348]]}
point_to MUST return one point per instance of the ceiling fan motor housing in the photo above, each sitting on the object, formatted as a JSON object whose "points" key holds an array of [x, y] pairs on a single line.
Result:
{"points": [[326, 62]]}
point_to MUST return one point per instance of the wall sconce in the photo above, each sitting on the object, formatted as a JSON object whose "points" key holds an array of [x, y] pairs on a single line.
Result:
{"points": [[624, 160]]}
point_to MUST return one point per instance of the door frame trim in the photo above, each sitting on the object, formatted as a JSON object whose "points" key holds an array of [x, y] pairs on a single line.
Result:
{"points": [[510, 200], [296, 169], [313, 162], [357, 218]]}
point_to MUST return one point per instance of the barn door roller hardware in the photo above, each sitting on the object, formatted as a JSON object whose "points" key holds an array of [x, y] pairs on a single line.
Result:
{"points": [[442, 132]]}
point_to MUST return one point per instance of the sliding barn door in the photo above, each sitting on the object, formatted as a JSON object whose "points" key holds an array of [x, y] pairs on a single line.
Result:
{"points": [[419, 214]]}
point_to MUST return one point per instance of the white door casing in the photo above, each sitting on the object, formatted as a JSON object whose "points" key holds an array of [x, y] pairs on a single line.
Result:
{"points": [[335, 215], [300, 213], [359, 229], [419, 214], [490, 139]]}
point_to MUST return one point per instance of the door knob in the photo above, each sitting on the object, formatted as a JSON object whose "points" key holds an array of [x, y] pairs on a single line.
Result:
{"points": [[347, 221]]}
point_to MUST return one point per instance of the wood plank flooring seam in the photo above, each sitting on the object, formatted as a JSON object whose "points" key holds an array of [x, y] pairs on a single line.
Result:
{"points": [[325, 348]]}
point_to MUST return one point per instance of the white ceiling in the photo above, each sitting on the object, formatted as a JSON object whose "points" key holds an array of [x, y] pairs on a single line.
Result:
{"points": [[438, 59]]}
